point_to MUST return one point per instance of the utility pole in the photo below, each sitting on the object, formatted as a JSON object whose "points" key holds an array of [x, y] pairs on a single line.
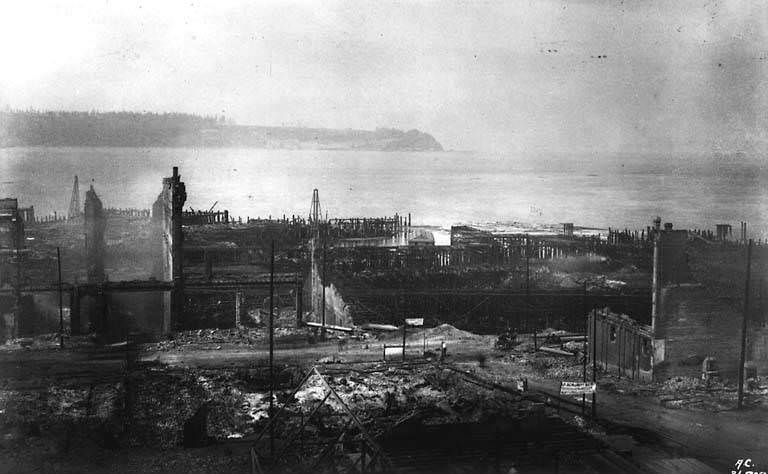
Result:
{"points": [[61, 309], [743, 354], [299, 300], [324, 282], [17, 317], [527, 282], [760, 296], [272, 352], [594, 360], [584, 349], [584, 361]]}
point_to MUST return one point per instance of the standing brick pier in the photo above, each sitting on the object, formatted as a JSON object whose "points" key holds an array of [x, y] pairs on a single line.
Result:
{"points": [[167, 214]]}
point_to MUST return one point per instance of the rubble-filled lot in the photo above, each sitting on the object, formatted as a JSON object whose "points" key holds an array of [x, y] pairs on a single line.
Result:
{"points": [[382, 398], [145, 413], [147, 409], [152, 408], [709, 395]]}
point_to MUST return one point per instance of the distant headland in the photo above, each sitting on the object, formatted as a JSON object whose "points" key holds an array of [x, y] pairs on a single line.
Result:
{"points": [[141, 129]]}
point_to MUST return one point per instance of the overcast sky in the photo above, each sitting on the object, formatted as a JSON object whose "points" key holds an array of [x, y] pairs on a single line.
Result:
{"points": [[497, 75]]}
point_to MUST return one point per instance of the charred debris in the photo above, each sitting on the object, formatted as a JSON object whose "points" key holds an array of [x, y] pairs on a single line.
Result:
{"points": [[179, 337]]}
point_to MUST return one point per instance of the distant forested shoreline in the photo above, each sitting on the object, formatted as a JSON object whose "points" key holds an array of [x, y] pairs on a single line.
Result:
{"points": [[145, 129]]}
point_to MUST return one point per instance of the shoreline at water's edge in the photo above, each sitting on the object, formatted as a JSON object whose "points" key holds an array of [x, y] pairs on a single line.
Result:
{"points": [[134, 129], [489, 189]]}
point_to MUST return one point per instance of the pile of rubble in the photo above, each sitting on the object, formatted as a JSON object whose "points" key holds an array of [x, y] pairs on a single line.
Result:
{"points": [[383, 397], [712, 394], [46, 341], [555, 368], [181, 339], [52, 419], [218, 338], [449, 333]]}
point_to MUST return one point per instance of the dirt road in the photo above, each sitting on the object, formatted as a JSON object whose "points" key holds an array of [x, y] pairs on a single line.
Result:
{"points": [[717, 439]]}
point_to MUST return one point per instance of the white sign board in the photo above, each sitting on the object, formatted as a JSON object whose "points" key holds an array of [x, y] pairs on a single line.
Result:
{"points": [[390, 351], [414, 321], [577, 388]]}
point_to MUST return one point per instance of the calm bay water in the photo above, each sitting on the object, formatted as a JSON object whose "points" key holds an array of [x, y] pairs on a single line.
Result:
{"points": [[437, 188]]}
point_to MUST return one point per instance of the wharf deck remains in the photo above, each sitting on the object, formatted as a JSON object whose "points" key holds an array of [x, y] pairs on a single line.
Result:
{"points": [[502, 250]]}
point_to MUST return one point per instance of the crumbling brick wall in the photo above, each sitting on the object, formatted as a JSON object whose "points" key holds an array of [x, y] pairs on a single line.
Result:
{"points": [[337, 311], [167, 219], [95, 227], [696, 324], [622, 346]]}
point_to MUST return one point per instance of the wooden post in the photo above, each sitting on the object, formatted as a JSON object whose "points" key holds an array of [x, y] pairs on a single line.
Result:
{"points": [[405, 325], [322, 329], [74, 311], [527, 283], [604, 346], [619, 335], [299, 300], [762, 308], [742, 356], [61, 307], [272, 352], [238, 297], [584, 361], [635, 358], [594, 360]]}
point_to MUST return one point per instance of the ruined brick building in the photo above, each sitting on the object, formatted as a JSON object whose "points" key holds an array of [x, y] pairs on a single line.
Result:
{"points": [[11, 225], [167, 218], [95, 225], [11, 244], [700, 306], [697, 310], [624, 346]]}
